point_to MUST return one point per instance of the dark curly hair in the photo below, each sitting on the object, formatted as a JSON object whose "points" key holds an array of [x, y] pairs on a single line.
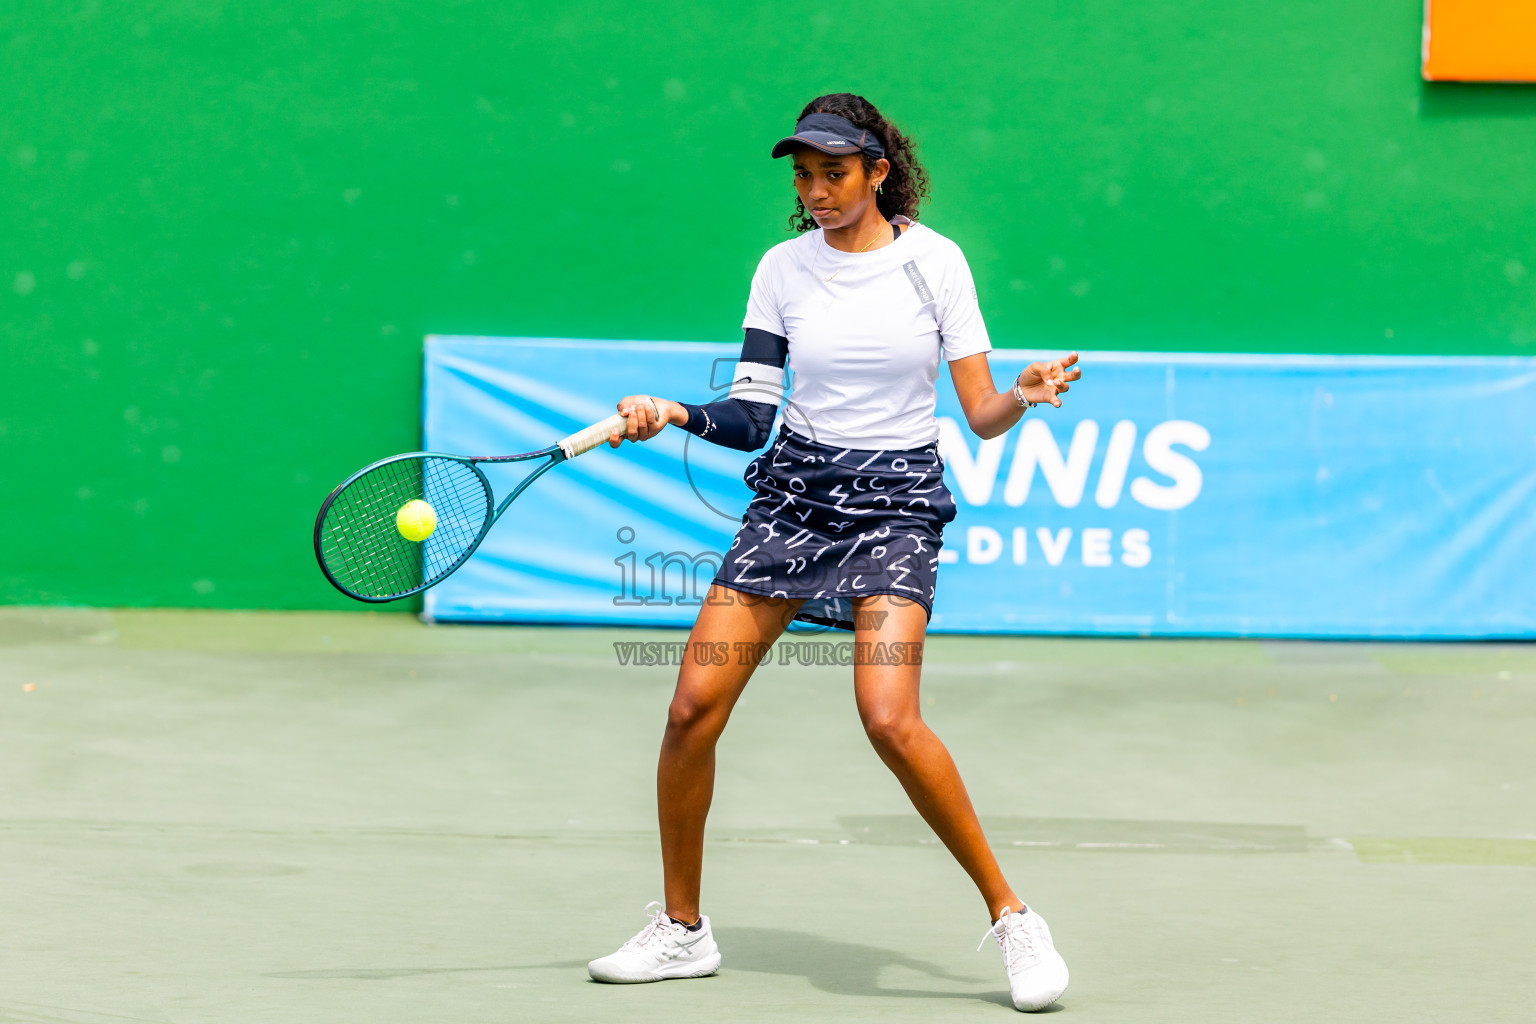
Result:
{"points": [[907, 183]]}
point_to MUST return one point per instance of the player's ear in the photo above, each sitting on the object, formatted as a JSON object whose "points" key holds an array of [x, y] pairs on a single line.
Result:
{"points": [[880, 173]]}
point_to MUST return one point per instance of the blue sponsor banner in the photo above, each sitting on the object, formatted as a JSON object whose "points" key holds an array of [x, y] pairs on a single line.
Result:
{"points": [[1171, 495]]}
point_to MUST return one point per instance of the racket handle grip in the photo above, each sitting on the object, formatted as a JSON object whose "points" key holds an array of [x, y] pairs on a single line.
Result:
{"points": [[587, 438]]}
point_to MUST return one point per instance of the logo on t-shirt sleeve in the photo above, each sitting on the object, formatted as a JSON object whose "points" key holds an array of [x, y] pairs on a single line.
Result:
{"points": [[918, 284]]}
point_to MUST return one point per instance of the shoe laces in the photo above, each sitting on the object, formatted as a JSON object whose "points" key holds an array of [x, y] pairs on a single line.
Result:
{"points": [[1019, 944], [655, 932]]}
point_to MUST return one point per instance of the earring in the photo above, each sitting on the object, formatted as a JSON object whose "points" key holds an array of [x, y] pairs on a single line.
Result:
{"points": [[880, 187]]}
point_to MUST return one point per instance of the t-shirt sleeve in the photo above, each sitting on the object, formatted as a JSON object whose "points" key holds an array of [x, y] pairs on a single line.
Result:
{"points": [[961, 328], [763, 309]]}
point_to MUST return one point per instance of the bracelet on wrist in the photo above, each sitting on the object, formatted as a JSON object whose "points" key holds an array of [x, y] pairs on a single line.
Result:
{"points": [[1018, 396]]}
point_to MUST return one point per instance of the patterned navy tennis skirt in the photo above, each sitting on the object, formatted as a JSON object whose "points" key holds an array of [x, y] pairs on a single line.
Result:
{"points": [[829, 524]]}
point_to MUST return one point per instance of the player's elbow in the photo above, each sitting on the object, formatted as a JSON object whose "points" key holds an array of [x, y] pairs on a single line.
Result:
{"points": [[759, 416], [750, 442], [756, 439], [985, 430]]}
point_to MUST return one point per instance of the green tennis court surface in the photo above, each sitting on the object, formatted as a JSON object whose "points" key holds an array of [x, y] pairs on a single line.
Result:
{"points": [[313, 817]]}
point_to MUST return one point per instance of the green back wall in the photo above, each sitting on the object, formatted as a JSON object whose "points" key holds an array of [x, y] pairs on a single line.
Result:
{"points": [[226, 226]]}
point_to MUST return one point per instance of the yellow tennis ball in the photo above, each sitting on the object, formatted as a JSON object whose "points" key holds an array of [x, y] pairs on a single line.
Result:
{"points": [[416, 520]]}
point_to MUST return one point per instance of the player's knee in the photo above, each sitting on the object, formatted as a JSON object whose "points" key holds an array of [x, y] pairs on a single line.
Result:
{"points": [[687, 716], [890, 730]]}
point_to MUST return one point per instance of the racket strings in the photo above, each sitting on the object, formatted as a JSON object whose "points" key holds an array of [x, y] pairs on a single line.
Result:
{"points": [[362, 546]]}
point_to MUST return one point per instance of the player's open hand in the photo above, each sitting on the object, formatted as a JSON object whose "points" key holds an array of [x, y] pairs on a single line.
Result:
{"points": [[1046, 381], [646, 415]]}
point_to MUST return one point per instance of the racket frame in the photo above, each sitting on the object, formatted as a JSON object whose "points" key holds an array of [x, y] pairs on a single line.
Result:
{"points": [[584, 440], [493, 509]]}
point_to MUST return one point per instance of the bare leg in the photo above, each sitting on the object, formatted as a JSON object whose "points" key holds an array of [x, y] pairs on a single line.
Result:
{"points": [[889, 705], [706, 693]]}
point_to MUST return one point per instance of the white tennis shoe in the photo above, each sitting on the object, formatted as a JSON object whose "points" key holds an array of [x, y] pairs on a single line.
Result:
{"points": [[1037, 975], [663, 950]]}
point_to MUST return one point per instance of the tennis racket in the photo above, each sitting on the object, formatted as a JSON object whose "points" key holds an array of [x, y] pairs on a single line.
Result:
{"points": [[402, 524]]}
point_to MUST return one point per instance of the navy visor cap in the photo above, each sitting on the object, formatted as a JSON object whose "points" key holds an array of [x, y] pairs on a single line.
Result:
{"points": [[830, 134]]}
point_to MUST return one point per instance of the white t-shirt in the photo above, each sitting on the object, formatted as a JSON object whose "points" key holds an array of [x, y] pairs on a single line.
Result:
{"points": [[864, 347]]}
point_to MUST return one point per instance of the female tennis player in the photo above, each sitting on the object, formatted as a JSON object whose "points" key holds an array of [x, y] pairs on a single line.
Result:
{"points": [[849, 508]]}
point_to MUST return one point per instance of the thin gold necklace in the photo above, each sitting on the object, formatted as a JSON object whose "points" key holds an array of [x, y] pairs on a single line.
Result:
{"points": [[843, 264]]}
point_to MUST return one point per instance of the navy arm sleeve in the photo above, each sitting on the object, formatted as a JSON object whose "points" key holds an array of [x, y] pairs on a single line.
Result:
{"points": [[744, 419]]}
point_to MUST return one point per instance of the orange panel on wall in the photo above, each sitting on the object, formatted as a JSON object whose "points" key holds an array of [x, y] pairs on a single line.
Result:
{"points": [[1480, 40]]}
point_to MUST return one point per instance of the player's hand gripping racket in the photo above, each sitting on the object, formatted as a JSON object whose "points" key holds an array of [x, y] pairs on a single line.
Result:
{"points": [[402, 524]]}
